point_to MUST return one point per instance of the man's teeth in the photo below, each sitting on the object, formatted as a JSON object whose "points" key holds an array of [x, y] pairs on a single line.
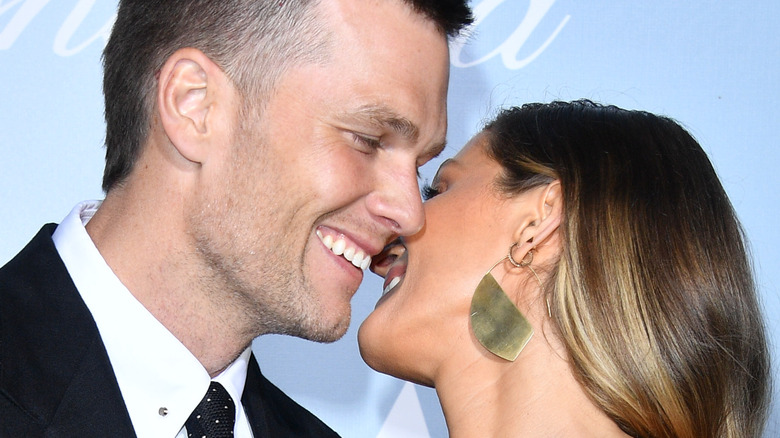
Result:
{"points": [[339, 247], [391, 285]]}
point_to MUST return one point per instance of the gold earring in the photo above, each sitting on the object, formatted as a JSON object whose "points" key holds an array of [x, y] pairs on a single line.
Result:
{"points": [[497, 323], [527, 263]]}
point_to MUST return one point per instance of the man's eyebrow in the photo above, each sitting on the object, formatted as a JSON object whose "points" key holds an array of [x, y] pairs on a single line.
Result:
{"points": [[436, 150], [382, 116]]}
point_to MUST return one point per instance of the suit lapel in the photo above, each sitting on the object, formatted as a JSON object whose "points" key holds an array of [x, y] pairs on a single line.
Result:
{"points": [[272, 413], [252, 400]]}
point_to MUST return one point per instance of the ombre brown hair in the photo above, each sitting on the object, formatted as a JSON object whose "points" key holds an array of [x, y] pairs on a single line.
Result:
{"points": [[653, 294]]}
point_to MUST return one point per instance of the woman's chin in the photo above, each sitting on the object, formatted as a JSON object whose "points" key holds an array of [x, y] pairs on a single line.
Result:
{"points": [[370, 349], [383, 358]]}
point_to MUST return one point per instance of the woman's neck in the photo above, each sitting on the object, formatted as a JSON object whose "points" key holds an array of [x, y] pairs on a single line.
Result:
{"points": [[535, 396]]}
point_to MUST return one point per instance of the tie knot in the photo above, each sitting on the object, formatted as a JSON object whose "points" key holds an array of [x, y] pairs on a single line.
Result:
{"points": [[215, 415]]}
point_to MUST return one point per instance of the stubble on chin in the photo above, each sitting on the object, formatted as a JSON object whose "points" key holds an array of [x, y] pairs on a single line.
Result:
{"points": [[258, 293]]}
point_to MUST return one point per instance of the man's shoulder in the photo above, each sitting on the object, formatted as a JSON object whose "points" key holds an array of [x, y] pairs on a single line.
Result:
{"points": [[29, 281], [38, 254], [42, 315], [54, 371]]}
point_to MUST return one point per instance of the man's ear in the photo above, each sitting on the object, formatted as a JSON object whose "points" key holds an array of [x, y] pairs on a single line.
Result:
{"points": [[544, 221], [189, 86]]}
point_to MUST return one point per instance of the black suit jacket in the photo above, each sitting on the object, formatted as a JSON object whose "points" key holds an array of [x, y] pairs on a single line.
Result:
{"points": [[55, 376]]}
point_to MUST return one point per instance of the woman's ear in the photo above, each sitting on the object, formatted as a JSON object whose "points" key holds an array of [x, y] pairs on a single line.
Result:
{"points": [[547, 209], [190, 85]]}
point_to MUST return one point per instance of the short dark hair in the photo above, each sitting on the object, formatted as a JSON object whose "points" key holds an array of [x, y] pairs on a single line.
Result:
{"points": [[241, 36], [450, 16], [653, 294]]}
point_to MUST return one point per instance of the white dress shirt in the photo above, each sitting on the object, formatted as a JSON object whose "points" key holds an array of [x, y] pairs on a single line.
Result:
{"points": [[160, 380]]}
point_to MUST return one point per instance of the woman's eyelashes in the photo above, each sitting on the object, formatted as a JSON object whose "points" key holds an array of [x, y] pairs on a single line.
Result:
{"points": [[428, 191]]}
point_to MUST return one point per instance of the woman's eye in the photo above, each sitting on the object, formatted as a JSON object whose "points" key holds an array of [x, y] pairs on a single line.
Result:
{"points": [[428, 191], [367, 143]]}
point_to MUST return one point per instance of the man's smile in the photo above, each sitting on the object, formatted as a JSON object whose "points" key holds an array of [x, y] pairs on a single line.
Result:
{"points": [[341, 245]]}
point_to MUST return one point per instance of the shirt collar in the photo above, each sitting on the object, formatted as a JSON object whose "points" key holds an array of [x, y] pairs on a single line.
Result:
{"points": [[156, 373]]}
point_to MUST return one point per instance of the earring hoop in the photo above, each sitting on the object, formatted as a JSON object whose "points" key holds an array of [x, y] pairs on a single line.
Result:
{"points": [[527, 259]]}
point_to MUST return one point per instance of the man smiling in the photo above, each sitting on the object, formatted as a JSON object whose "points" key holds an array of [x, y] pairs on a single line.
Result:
{"points": [[258, 154]]}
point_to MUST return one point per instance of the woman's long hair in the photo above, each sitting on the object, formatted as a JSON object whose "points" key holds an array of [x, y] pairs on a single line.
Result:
{"points": [[653, 294]]}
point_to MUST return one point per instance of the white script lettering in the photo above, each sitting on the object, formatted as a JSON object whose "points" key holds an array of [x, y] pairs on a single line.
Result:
{"points": [[72, 23], [510, 48], [19, 22], [29, 9]]}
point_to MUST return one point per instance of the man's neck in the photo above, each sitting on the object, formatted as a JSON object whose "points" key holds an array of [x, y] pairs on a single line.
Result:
{"points": [[148, 251]]}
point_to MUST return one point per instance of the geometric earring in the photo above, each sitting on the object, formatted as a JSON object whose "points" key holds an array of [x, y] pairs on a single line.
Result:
{"points": [[495, 320]]}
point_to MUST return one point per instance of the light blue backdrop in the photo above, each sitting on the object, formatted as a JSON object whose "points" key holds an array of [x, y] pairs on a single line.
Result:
{"points": [[712, 66]]}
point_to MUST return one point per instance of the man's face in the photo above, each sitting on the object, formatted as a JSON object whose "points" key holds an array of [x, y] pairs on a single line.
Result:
{"points": [[328, 172]]}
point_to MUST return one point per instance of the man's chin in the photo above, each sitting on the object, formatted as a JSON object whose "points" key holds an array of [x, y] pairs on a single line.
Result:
{"points": [[326, 331], [335, 333]]}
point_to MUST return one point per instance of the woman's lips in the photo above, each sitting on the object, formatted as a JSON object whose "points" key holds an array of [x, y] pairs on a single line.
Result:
{"points": [[381, 263], [394, 275], [391, 264], [393, 283]]}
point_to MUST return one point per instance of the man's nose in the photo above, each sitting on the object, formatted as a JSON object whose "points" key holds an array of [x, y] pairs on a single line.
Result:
{"points": [[397, 200]]}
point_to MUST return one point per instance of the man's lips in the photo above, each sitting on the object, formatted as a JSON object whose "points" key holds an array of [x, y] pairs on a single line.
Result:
{"points": [[343, 246]]}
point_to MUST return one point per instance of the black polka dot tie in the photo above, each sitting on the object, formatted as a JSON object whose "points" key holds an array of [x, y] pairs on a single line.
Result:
{"points": [[214, 417]]}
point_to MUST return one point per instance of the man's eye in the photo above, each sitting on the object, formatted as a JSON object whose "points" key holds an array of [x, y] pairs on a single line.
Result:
{"points": [[428, 191], [365, 142]]}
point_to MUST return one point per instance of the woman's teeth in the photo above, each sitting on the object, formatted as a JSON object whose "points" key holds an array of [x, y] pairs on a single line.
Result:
{"points": [[339, 247], [393, 283]]}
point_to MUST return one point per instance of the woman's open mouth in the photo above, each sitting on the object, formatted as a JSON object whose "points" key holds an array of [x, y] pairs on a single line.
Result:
{"points": [[391, 264], [395, 274]]}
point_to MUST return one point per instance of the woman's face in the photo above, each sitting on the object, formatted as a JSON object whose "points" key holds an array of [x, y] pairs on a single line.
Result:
{"points": [[422, 321]]}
